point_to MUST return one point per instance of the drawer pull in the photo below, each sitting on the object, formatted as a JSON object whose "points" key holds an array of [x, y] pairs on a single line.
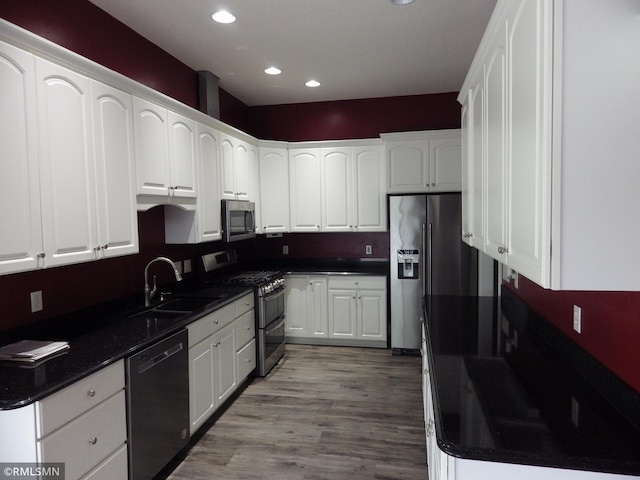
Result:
{"points": [[248, 360], [91, 393], [93, 440]]}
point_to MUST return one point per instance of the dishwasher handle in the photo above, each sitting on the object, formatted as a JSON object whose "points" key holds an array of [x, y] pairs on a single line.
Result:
{"points": [[155, 360]]}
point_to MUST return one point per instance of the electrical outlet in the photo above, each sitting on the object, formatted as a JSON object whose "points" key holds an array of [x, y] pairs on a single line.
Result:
{"points": [[577, 319], [367, 250], [285, 249], [186, 265], [36, 301]]}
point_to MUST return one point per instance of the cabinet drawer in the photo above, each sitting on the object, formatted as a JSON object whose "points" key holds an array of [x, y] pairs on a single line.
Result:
{"points": [[211, 323], [245, 328], [244, 304], [89, 439], [246, 360], [61, 407], [349, 282], [113, 468]]}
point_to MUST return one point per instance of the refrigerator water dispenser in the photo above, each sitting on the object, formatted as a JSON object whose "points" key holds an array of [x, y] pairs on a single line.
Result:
{"points": [[408, 264]]}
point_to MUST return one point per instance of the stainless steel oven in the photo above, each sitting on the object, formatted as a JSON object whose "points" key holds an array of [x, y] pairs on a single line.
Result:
{"points": [[270, 323]]}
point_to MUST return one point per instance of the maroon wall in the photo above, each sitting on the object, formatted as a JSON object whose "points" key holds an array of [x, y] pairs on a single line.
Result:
{"points": [[610, 323], [346, 119]]}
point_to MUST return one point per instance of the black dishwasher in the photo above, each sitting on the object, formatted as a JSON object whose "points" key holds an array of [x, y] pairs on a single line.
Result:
{"points": [[157, 405]]}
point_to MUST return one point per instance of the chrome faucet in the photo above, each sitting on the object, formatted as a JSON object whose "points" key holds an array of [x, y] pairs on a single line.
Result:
{"points": [[150, 293]]}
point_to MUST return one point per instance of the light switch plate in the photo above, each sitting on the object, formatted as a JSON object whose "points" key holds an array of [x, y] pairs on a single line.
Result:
{"points": [[577, 319], [36, 301]]}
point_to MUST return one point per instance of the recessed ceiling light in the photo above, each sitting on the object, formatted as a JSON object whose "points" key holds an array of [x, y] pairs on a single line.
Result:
{"points": [[312, 83], [272, 71], [223, 17], [401, 2]]}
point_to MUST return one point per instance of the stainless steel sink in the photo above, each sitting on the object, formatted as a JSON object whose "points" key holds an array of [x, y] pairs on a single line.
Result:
{"points": [[185, 304], [176, 307]]}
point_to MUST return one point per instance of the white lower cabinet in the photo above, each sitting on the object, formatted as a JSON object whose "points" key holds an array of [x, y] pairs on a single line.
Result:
{"points": [[82, 426], [358, 308], [220, 348], [306, 307], [340, 310]]}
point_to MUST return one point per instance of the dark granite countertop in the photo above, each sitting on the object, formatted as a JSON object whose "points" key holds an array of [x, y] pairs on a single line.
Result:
{"points": [[509, 387], [97, 337], [373, 266]]}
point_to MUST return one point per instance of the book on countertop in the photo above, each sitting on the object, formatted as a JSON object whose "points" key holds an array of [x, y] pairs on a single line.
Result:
{"points": [[31, 350]]}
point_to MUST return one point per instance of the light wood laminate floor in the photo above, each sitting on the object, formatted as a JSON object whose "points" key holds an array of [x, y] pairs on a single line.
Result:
{"points": [[322, 413]]}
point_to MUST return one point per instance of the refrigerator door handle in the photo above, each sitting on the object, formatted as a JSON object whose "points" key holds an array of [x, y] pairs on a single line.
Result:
{"points": [[423, 263], [429, 259]]}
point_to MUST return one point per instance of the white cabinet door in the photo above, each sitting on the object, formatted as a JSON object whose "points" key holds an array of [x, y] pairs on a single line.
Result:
{"points": [[370, 205], [242, 167], [182, 156], [296, 324], [305, 199], [227, 167], [225, 369], [115, 171], [445, 164], [337, 189], [317, 314], [21, 232], [477, 152], [66, 165], [274, 189], [495, 138], [529, 76], [201, 388], [342, 314], [408, 166], [151, 147], [207, 143], [306, 306], [372, 315]]}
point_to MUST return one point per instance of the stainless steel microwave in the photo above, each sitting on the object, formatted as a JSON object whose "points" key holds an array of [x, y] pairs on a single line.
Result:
{"points": [[238, 220]]}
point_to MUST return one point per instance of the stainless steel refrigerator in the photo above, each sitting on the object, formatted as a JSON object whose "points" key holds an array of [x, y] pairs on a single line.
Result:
{"points": [[427, 257]]}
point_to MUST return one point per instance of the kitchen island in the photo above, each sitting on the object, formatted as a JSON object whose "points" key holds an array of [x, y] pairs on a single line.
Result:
{"points": [[508, 396]]}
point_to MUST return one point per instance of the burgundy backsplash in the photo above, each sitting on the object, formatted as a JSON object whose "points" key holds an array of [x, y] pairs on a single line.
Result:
{"points": [[610, 323]]}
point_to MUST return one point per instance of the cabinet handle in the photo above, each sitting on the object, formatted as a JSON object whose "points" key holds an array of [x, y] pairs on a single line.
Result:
{"points": [[91, 393], [41, 255], [426, 371], [248, 328], [93, 440], [248, 360], [217, 343], [215, 321]]}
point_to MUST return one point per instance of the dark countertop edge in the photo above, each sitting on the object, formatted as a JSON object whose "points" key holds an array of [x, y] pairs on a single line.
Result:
{"points": [[365, 266], [120, 354], [531, 459]]}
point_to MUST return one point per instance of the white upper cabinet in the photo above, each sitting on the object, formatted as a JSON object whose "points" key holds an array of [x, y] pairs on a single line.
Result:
{"points": [[369, 191], [66, 165], [67, 157], [115, 171], [305, 189], [546, 183], [203, 224], [428, 161], [165, 148], [239, 163], [274, 188], [353, 198], [337, 189], [21, 232]]}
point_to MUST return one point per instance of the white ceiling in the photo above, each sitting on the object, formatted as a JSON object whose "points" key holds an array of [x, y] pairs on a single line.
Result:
{"points": [[355, 48]]}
